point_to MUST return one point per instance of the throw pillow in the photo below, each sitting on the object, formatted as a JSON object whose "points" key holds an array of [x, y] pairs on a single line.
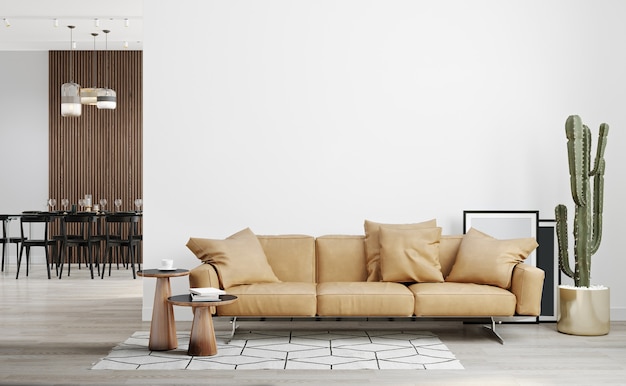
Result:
{"points": [[410, 255], [239, 259], [372, 244], [483, 259]]}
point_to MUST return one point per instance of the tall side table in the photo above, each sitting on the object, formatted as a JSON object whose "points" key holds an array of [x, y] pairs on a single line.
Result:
{"points": [[163, 325], [202, 338]]}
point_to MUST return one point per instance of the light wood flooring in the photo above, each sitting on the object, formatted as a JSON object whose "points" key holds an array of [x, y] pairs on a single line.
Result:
{"points": [[53, 331]]}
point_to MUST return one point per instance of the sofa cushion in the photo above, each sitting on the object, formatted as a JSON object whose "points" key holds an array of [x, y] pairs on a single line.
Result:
{"points": [[292, 257], [364, 299], [483, 259], [272, 299], [448, 248], [239, 259], [340, 258], [462, 299], [372, 244], [410, 255]]}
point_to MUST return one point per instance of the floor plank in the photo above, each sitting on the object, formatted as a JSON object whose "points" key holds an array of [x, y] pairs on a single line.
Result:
{"points": [[53, 331]]}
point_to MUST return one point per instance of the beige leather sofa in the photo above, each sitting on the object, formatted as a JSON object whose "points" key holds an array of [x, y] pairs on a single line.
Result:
{"points": [[328, 276]]}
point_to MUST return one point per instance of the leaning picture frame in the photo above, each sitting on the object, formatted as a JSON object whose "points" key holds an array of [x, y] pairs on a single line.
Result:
{"points": [[504, 224], [547, 260]]}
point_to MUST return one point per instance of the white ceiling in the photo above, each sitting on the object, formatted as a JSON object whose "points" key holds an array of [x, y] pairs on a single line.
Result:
{"points": [[32, 24]]}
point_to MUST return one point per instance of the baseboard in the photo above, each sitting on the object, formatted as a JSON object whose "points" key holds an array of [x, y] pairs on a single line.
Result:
{"points": [[618, 314]]}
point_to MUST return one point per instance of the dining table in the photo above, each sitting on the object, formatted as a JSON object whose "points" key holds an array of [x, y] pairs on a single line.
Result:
{"points": [[54, 216]]}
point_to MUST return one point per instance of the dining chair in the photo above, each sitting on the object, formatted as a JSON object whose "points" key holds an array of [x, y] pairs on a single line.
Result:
{"points": [[138, 234], [78, 232], [7, 239], [120, 234], [36, 238]]}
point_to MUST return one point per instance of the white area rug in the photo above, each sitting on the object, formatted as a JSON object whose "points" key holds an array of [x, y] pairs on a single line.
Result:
{"points": [[298, 349]]}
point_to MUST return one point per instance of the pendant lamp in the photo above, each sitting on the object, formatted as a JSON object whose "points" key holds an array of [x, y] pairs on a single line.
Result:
{"points": [[107, 98], [70, 92], [89, 95]]}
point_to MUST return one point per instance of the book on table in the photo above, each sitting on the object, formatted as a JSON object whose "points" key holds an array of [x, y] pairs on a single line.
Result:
{"points": [[206, 294]]}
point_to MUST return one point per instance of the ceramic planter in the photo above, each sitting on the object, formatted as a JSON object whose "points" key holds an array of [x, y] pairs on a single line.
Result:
{"points": [[584, 311]]}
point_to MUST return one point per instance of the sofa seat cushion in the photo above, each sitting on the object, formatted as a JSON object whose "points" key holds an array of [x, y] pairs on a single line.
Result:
{"points": [[271, 299], [364, 299], [462, 299]]}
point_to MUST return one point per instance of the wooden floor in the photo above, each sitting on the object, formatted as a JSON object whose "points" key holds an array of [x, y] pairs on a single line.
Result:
{"points": [[53, 331]]}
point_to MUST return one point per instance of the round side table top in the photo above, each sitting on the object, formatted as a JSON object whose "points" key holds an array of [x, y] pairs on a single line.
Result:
{"points": [[163, 273], [185, 300]]}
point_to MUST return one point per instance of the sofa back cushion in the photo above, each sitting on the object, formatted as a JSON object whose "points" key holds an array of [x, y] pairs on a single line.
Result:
{"points": [[448, 248], [292, 257], [341, 258]]}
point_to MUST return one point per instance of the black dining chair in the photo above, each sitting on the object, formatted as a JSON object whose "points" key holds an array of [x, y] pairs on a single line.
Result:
{"points": [[78, 232], [36, 238], [120, 234], [6, 240]]}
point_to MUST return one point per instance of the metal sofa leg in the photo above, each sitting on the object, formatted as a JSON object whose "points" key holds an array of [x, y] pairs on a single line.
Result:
{"points": [[233, 323], [492, 330]]}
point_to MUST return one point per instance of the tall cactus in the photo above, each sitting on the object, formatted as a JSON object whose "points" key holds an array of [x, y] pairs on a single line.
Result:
{"points": [[588, 216]]}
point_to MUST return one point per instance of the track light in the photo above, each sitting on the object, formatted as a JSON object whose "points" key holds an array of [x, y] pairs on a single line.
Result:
{"points": [[55, 22], [8, 23], [96, 22], [126, 22]]}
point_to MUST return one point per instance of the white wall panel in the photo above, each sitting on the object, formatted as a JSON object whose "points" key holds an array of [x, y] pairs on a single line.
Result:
{"points": [[311, 116]]}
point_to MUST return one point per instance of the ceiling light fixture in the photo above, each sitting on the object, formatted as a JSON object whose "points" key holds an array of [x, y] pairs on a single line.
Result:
{"points": [[107, 98], [55, 22], [8, 23], [96, 22], [89, 95], [126, 22], [70, 92]]}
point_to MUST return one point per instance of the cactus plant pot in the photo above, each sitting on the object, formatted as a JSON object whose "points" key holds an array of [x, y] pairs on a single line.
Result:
{"points": [[583, 311]]}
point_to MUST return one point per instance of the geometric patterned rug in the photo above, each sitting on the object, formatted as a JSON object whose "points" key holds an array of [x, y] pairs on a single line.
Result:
{"points": [[298, 349]]}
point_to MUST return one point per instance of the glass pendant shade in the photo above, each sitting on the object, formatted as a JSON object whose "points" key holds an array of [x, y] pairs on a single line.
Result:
{"points": [[89, 96], [70, 92], [70, 100], [107, 99]]}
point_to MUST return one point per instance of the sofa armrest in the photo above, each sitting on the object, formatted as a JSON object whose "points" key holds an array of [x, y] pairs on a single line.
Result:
{"points": [[204, 275], [527, 286]]}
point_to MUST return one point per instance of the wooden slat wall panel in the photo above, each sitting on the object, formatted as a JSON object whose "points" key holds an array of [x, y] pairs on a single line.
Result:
{"points": [[100, 152]]}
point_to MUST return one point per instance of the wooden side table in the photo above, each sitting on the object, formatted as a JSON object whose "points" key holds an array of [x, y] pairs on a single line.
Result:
{"points": [[202, 338], [163, 325]]}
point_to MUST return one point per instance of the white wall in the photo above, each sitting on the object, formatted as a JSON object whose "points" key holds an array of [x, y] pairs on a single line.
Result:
{"points": [[311, 116], [308, 117], [23, 134]]}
